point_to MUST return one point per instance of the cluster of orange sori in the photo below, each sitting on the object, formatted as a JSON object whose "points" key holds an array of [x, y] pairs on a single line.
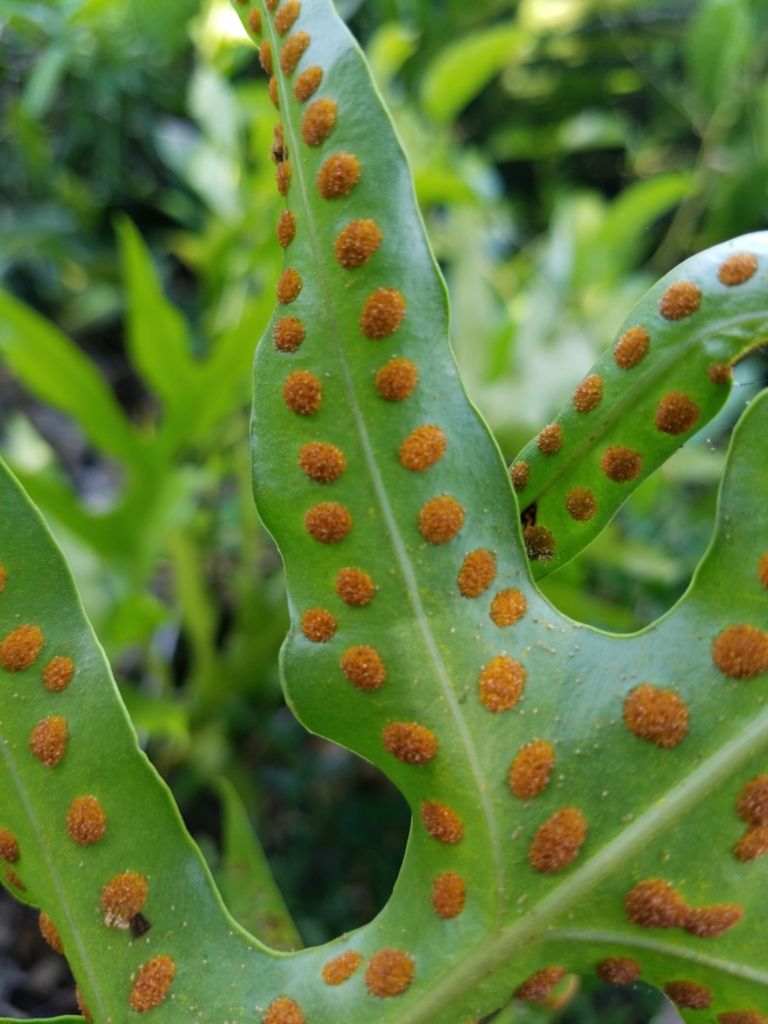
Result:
{"points": [[536, 988], [655, 903], [676, 413], [123, 897], [382, 313], [752, 807], [389, 972]]}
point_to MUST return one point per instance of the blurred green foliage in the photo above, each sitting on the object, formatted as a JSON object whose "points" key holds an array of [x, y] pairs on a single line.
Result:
{"points": [[566, 153]]}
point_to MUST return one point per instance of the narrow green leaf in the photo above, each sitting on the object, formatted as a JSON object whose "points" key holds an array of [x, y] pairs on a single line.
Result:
{"points": [[666, 377], [158, 339], [717, 44], [56, 371], [463, 69], [246, 881]]}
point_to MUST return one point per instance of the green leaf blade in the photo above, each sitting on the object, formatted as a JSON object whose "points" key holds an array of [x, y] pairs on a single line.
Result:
{"points": [[56, 371], [643, 410]]}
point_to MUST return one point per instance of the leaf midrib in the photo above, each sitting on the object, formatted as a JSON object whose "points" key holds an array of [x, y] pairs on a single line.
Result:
{"points": [[404, 561], [496, 952], [666, 949], [677, 352]]}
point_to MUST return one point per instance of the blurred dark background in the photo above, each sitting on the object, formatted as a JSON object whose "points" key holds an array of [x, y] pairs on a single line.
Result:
{"points": [[566, 154]]}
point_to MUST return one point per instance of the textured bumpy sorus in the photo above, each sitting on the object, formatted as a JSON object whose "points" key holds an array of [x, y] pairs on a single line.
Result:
{"points": [[582, 803]]}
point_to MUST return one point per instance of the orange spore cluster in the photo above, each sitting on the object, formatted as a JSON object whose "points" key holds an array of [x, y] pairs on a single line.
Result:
{"points": [[341, 967], [762, 570], [322, 462], [530, 771], [742, 1017], [271, 5], [318, 625], [9, 846], [539, 985], [356, 243], [741, 652], [440, 519], [283, 175], [389, 973], [152, 983], [254, 21], [383, 312], [306, 84], [283, 1011], [631, 348], [86, 821], [363, 667], [449, 894], [303, 393], [409, 742], [655, 903], [123, 897], [3, 577], [338, 175], [396, 380], [539, 543], [713, 921], [658, 716], [13, 879], [618, 970], [50, 932], [289, 284], [423, 447], [737, 268], [589, 394], [519, 475], [508, 607], [720, 373], [501, 683], [688, 995], [292, 51], [550, 439], [441, 822], [265, 56], [82, 1005], [288, 334], [48, 741], [581, 504], [752, 805], [57, 674], [477, 573], [753, 844], [286, 228], [558, 841], [676, 413], [354, 587], [286, 16], [318, 121], [680, 300], [273, 95], [621, 464], [21, 648], [328, 522]]}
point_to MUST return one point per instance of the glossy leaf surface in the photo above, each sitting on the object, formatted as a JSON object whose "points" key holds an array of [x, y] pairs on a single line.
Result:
{"points": [[667, 375], [408, 545]]}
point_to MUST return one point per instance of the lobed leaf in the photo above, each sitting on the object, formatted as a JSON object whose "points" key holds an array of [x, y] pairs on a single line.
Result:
{"points": [[551, 769], [668, 374]]}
